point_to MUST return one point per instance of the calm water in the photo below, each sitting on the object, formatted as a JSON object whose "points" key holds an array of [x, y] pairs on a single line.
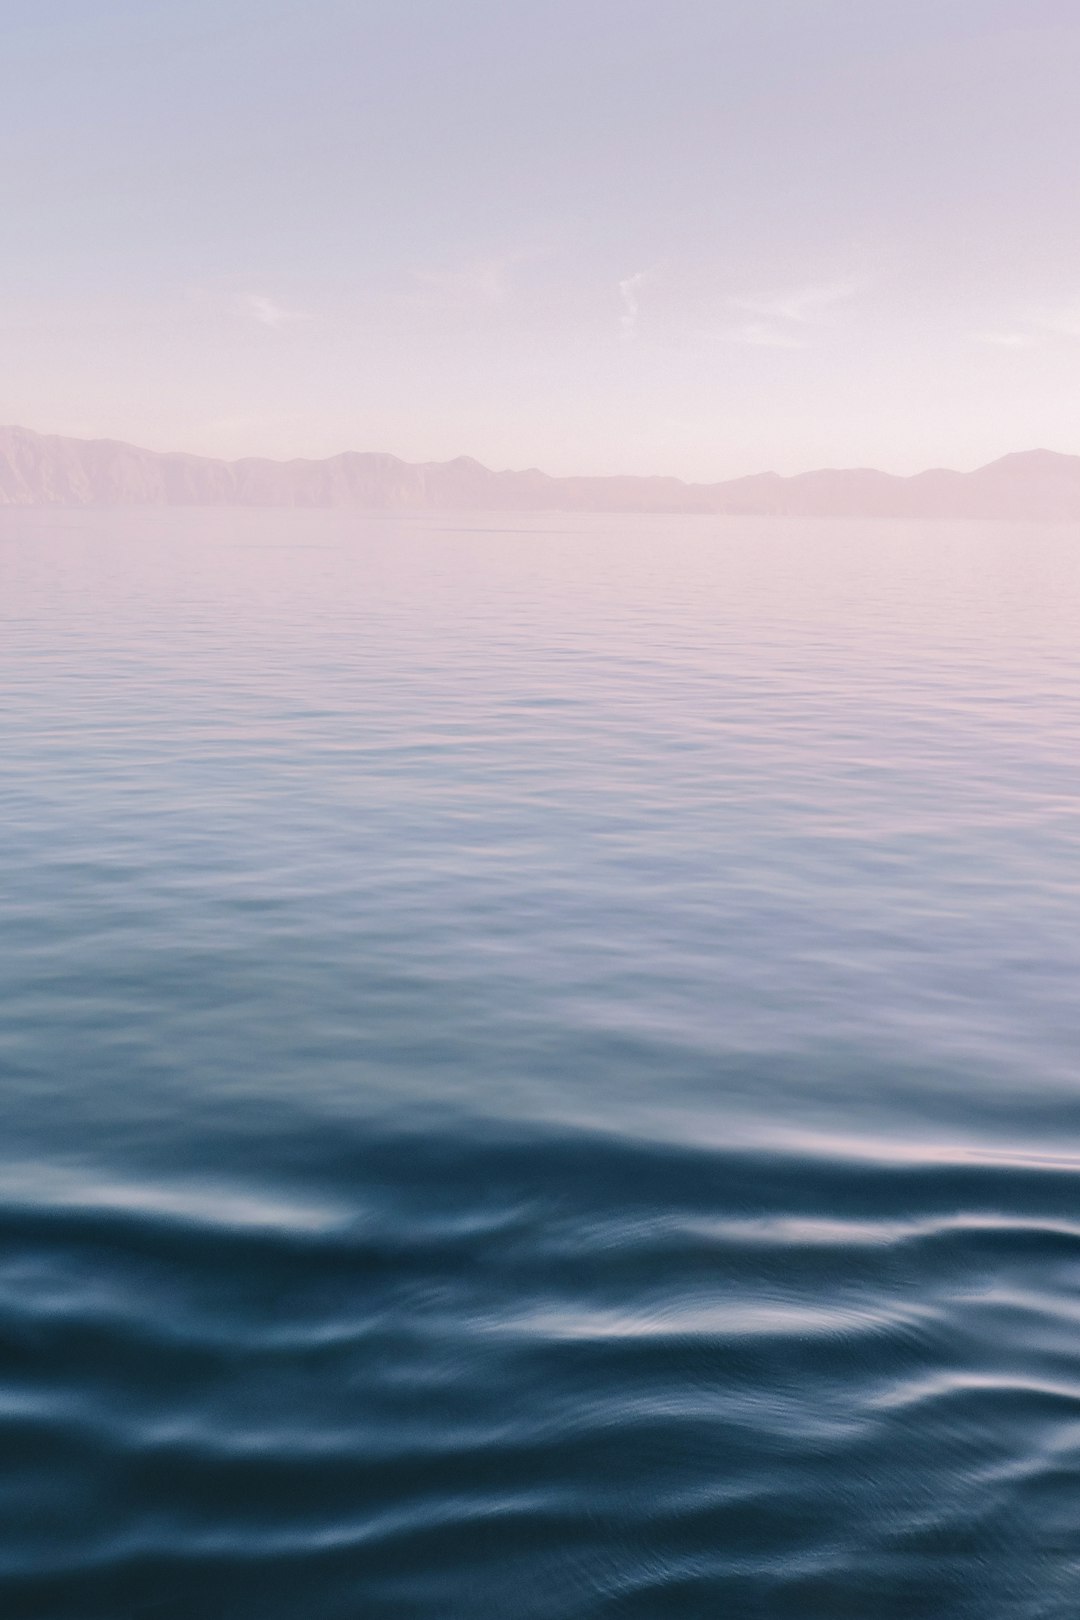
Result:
{"points": [[540, 1069]]}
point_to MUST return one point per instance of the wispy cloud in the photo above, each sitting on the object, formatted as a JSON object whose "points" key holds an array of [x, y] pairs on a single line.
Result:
{"points": [[787, 320], [1035, 327], [270, 313], [1061, 322], [805, 306], [483, 280], [1005, 340], [629, 290]]}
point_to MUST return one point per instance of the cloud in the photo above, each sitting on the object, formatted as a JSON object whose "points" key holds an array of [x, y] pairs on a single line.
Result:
{"points": [[269, 313], [1064, 322], [1035, 327], [629, 288], [1005, 340], [786, 320], [482, 280], [805, 306]]}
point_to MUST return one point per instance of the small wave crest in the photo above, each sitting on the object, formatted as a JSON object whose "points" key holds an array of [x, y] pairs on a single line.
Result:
{"points": [[555, 1375]]}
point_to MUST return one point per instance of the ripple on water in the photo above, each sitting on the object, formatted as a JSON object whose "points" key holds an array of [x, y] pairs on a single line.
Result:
{"points": [[709, 1384], [539, 1069]]}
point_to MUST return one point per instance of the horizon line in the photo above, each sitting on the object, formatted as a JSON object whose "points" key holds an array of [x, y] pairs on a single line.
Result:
{"points": [[465, 459]]}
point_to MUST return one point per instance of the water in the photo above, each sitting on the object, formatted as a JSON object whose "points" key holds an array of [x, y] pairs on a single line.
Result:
{"points": [[539, 1069]]}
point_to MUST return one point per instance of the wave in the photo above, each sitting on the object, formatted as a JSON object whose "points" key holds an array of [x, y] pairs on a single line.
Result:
{"points": [[547, 1375]]}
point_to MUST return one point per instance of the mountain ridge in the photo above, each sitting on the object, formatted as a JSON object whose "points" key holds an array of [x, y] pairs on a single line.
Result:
{"points": [[39, 469]]}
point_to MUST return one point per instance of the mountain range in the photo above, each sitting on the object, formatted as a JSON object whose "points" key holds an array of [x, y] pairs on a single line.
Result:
{"points": [[47, 470]]}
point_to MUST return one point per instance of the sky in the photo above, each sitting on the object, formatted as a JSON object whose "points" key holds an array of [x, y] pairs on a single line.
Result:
{"points": [[692, 237]]}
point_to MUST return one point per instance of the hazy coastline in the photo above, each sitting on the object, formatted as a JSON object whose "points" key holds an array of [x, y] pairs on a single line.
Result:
{"points": [[51, 470]]}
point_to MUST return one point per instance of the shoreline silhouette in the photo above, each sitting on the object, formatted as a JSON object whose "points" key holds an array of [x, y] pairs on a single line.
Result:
{"points": [[39, 469]]}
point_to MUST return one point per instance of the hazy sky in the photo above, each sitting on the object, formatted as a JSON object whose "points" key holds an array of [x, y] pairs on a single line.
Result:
{"points": [[700, 237]]}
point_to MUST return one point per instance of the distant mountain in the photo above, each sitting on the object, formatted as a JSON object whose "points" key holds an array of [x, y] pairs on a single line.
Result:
{"points": [[45, 470]]}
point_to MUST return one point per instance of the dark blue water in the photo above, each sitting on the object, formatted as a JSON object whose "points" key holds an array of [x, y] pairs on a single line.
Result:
{"points": [[540, 1069]]}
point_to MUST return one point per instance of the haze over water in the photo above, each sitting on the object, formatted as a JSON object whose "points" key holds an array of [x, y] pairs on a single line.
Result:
{"points": [[540, 1068]]}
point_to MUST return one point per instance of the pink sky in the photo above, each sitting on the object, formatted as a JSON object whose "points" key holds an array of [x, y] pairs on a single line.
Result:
{"points": [[700, 238]]}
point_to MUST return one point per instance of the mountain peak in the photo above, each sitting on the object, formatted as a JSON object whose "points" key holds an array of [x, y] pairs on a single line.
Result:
{"points": [[49, 470]]}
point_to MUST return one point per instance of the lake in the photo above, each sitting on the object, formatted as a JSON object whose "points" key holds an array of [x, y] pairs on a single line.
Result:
{"points": [[541, 1068]]}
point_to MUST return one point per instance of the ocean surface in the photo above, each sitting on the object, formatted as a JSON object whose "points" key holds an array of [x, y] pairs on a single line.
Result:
{"points": [[540, 1068]]}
